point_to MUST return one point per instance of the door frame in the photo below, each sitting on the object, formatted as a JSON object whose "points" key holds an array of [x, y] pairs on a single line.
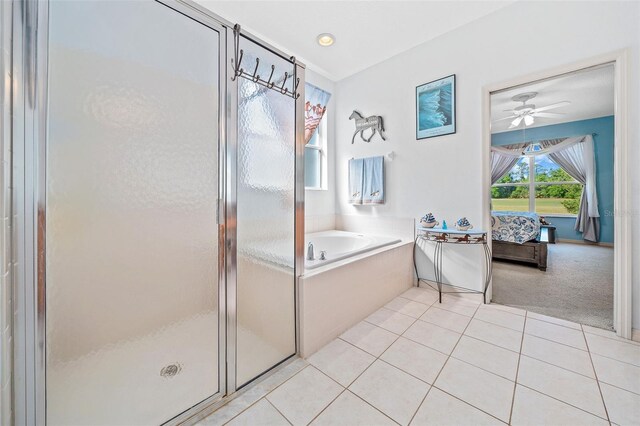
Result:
{"points": [[622, 299]]}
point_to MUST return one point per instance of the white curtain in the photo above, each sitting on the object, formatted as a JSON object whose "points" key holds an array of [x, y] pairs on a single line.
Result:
{"points": [[576, 156], [503, 159]]}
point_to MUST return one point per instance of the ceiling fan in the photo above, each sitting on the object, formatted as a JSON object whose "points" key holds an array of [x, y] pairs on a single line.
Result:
{"points": [[527, 113]]}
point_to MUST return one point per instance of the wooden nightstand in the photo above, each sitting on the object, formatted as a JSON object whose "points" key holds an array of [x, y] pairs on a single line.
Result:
{"points": [[548, 233]]}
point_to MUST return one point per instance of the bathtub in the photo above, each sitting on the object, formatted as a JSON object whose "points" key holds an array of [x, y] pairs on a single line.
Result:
{"points": [[339, 245], [361, 274]]}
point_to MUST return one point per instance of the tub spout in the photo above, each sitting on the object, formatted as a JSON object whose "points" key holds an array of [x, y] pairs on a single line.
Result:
{"points": [[310, 254]]}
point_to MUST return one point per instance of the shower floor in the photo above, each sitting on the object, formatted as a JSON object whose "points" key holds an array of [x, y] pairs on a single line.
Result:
{"points": [[121, 384]]}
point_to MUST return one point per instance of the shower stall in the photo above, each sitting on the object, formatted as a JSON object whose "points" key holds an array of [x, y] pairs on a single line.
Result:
{"points": [[157, 204]]}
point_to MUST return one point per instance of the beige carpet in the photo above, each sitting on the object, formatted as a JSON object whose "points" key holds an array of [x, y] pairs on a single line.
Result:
{"points": [[577, 286]]}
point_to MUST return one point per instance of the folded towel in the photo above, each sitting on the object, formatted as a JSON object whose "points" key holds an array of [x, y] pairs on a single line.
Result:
{"points": [[356, 174], [373, 187]]}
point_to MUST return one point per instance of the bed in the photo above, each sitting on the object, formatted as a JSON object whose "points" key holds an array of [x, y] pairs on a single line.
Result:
{"points": [[516, 237]]}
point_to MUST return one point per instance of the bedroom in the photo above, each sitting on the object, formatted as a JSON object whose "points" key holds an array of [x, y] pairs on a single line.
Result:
{"points": [[552, 254]]}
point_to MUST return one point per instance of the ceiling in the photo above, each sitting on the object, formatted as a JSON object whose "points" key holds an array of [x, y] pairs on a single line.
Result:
{"points": [[366, 32], [590, 92]]}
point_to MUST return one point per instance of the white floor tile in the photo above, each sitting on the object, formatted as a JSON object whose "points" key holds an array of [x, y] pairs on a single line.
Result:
{"points": [[607, 333], [423, 295], [623, 407], [534, 409], [554, 320], [622, 351], [341, 361], [418, 360], [369, 338], [348, 409], [489, 357], [567, 386], [433, 336], [617, 373], [457, 305], [557, 333], [407, 307], [482, 389], [554, 353], [446, 319], [504, 308], [495, 334], [304, 396], [254, 393], [262, 413], [394, 392], [442, 409], [390, 320], [497, 317]]}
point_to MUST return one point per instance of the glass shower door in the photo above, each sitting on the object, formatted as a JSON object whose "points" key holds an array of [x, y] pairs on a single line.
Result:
{"points": [[132, 185], [265, 331]]}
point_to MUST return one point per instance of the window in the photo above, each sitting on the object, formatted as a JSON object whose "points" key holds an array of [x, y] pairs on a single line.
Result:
{"points": [[315, 159], [537, 184]]}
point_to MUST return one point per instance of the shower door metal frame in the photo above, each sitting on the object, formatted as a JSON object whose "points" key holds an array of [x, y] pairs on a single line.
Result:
{"points": [[28, 190]]}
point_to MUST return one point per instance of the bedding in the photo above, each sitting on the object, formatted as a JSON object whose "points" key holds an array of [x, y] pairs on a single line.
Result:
{"points": [[514, 227]]}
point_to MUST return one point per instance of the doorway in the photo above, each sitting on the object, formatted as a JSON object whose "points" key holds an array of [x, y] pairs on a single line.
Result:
{"points": [[530, 188]]}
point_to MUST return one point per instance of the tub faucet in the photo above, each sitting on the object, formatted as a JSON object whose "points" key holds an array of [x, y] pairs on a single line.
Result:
{"points": [[310, 254]]}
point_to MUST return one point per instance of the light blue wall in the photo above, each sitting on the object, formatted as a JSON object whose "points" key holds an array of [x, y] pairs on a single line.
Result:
{"points": [[603, 127]]}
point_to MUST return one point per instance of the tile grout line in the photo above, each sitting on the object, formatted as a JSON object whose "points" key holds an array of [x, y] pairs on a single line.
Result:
{"points": [[376, 358], [604, 404], [515, 382], [443, 365], [561, 401], [276, 408], [265, 395]]}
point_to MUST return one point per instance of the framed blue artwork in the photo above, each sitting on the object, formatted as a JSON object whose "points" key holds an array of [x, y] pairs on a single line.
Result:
{"points": [[436, 108]]}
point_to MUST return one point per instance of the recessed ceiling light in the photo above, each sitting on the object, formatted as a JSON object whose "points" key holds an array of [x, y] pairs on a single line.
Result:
{"points": [[326, 39]]}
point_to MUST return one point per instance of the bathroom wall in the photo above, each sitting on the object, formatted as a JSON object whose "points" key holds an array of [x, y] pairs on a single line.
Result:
{"points": [[603, 139], [444, 174], [320, 204]]}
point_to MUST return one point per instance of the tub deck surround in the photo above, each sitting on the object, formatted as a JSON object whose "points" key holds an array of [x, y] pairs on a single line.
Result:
{"points": [[334, 297], [418, 362], [340, 245]]}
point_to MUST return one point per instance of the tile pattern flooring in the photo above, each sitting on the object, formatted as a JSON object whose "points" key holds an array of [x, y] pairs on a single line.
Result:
{"points": [[419, 362]]}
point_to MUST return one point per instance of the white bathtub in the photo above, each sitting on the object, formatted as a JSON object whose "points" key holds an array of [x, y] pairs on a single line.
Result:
{"points": [[339, 245]]}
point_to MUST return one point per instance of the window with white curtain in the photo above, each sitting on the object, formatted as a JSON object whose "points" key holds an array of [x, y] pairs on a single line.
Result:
{"points": [[537, 184], [315, 159]]}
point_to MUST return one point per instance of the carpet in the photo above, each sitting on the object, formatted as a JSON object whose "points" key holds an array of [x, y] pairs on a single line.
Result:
{"points": [[577, 286]]}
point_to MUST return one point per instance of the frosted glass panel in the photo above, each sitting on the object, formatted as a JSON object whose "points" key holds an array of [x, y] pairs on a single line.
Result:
{"points": [[265, 222], [131, 233]]}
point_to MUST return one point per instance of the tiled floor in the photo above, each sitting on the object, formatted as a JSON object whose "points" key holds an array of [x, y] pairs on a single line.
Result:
{"points": [[419, 362]]}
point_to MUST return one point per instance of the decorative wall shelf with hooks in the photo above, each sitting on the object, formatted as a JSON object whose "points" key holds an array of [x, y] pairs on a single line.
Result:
{"points": [[279, 85]]}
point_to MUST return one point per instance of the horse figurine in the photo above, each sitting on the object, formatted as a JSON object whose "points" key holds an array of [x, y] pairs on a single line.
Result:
{"points": [[373, 122]]}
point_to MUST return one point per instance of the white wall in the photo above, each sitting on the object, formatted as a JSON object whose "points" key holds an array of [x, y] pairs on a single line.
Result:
{"points": [[320, 205], [444, 174]]}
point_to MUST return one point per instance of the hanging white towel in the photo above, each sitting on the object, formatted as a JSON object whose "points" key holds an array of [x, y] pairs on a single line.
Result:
{"points": [[373, 188], [356, 174]]}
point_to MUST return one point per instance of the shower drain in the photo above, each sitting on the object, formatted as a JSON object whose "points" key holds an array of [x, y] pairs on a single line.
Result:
{"points": [[171, 370]]}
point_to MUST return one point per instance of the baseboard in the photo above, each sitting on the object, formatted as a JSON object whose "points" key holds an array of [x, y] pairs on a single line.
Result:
{"points": [[635, 334], [564, 240]]}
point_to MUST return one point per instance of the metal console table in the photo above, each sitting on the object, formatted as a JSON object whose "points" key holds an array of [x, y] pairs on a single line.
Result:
{"points": [[452, 236]]}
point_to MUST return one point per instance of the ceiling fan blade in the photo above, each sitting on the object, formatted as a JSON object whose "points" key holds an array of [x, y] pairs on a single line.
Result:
{"points": [[547, 114], [516, 122], [552, 106], [528, 120], [505, 118]]}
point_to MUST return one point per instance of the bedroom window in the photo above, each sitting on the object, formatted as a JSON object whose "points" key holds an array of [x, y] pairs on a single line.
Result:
{"points": [[537, 184]]}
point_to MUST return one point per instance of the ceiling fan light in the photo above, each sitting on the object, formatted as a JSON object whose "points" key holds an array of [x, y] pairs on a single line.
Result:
{"points": [[528, 120]]}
